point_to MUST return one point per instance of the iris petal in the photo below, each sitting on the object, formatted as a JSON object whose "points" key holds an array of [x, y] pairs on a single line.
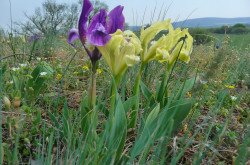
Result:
{"points": [[98, 18], [116, 19], [82, 24], [121, 51], [97, 31], [73, 35], [98, 36]]}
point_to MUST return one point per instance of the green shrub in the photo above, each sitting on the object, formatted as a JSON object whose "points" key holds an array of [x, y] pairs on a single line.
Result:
{"points": [[235, 29], [200, 35]]}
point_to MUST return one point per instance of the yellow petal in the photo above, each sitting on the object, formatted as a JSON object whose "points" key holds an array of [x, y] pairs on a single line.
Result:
{"points": [[111, 49], [162, 55], [149, 33], [184, 56], [165, 42], [174, 54], [132, 60], [134, 40], [120, 52]]}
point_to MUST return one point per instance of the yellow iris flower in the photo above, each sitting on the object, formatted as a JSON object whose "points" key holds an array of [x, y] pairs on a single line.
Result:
{"points": [[123, 48], [167, 47], [121, 51]]}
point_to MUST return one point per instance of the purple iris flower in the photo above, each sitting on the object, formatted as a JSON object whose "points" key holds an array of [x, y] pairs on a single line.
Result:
{"points": [[97, 32], [34, 38]]}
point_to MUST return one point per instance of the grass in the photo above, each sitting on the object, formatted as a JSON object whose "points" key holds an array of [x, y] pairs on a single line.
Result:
{"points": [[238, 41], [51, 129]]}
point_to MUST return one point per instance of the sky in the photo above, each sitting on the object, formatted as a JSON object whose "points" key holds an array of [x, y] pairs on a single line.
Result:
{"points": [[134, 9]]}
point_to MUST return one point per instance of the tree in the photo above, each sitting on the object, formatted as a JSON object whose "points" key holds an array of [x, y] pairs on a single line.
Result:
{"points": [[239, 25], [97, 5], [52, 18], [55, 18], [71, 17], [239, 29]]}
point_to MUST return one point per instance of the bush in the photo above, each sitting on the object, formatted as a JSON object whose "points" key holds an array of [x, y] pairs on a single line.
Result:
{"points": [[236, 29], [239, 30], [200, 35]]}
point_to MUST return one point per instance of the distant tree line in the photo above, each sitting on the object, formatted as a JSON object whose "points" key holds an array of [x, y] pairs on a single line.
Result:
{"points": [[236, 29], [205, 35]]}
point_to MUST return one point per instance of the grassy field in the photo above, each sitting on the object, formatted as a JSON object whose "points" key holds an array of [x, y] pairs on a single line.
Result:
{"points": [[237, 41], [203, 118]]}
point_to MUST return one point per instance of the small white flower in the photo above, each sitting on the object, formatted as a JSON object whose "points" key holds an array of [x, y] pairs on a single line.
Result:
{"points": [[203, 81], [23, 65], [10, 82], [38, 59], [233, 98], [15, 69], [43, 73]]}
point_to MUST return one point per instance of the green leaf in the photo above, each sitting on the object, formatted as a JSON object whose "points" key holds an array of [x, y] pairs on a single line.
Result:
{"points": [[152, 115], [158, 88], [187, 86], [65, 120], [37, 81], [118, 130], [3, 68], [49, 149], [147, 136], [180, 111], [243, 152], [177, 111], [16, 82], [101, 106], [129, 103], [146, 92], [161, 89], [54, 120], [84, 113]]}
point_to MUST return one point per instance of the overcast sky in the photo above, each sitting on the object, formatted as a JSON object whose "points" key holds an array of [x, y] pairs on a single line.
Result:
{"points": [[134, 9]]}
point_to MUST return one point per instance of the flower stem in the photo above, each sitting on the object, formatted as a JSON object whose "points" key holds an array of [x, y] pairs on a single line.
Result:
{"points": [[162, 96], [92, 89], [134, 113], [115, 82]]}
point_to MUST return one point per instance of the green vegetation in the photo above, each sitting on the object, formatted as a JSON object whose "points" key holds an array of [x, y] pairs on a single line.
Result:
{"points": [[235, 29], [49, 128], [240, 42], [236, 40], [201, 35], [188, 113]]}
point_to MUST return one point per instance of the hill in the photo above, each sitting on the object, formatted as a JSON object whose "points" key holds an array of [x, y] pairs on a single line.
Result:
{"points": [[207, 22], [212, 22]]}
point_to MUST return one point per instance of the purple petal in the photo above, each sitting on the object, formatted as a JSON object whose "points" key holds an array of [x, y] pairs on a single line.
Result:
{"points": [[97, 31], [34, 37], [98, 18], [116, 19], [98, 36], [82, 24], [73, 35]]}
